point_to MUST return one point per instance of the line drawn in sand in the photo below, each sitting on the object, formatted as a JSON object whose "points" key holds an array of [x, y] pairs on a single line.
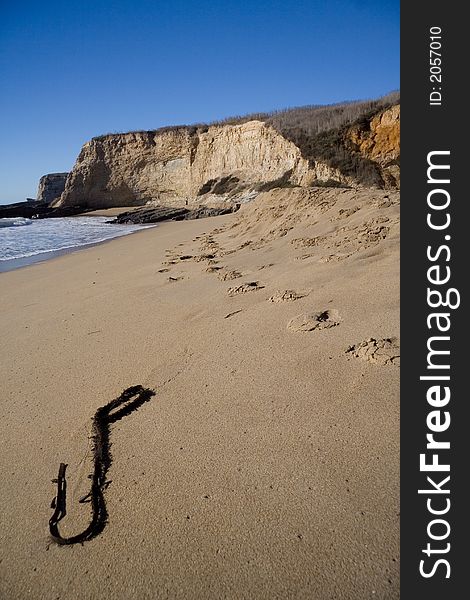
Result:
{"points": [[130, 400]]}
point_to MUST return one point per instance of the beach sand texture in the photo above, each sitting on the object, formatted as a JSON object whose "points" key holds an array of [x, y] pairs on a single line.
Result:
{"points": [[266, 466]]}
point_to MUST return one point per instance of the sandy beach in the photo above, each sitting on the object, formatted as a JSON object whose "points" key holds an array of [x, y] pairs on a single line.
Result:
{"points": [[266, 466]]}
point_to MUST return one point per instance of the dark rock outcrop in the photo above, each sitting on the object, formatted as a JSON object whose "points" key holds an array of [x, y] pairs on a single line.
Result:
{"points": [[37, 210], [155, 214], [201, 212], [26, 209], [65, 211], [149, 215]]}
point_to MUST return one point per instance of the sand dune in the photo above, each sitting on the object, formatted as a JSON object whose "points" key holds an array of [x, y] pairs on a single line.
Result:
{"points": [[266, 465]]}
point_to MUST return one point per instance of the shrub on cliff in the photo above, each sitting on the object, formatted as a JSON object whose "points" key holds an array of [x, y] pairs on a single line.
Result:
{"points": [[318, 131]]}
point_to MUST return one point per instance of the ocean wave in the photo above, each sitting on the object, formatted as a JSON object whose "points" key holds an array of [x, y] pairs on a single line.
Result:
{"points": [[99, 240], [48, 236], [15, 222]]}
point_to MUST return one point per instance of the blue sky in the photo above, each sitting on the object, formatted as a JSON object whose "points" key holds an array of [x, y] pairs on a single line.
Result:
{"points": [[73, 70]]}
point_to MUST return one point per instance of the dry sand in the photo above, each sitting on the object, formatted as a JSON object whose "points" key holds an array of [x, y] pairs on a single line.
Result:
{"points": [[266, 466]]}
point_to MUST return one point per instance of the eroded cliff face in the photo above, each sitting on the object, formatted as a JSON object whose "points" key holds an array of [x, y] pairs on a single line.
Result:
{"points": [[197, 165], [180, 165], [51, 187], [379, 141]]}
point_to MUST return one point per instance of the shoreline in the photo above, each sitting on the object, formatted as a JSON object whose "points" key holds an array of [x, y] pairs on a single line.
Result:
{"points": [[25, 261]]}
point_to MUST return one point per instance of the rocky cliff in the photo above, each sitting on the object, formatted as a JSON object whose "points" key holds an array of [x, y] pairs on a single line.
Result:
{"points": [[51, 187], [379, 140], [203, 164]]}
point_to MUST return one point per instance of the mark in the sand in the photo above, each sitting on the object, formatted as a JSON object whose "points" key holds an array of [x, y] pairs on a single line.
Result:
{"points": [[265, 266], [382, 352], [96, 331], [202, 257], [344, 213], [185, 257], [334, 257], [286, 296], [213, 269], [163, 270], [229, 275], [304, 256], [175, 278], [130, 400], [209, 244], [318, 320], [251, 286], [235, 312], [304, 242]]}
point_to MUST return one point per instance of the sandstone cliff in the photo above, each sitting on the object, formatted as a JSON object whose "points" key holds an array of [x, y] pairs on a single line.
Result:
{"points": [[379, 141], [203, 164], [51, 187]]}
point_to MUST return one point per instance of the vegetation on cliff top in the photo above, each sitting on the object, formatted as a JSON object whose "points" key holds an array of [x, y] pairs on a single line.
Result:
{"points": [[319, 131], [312, 119]]}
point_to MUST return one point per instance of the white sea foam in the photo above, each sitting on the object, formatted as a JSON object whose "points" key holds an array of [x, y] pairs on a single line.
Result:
{"points": [[43, 236], [15, 222]]}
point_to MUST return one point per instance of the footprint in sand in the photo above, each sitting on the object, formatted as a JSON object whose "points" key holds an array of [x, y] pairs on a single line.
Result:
{"points": [[202, 257], [304, 256], [212, 269], [317, 320], [210, 247], [173, 279], [305, 242], [373, 232], [344, 213], [251, 286], [229, 275], [163, 270], [384, 351], [334, 257], [286, 296]]}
